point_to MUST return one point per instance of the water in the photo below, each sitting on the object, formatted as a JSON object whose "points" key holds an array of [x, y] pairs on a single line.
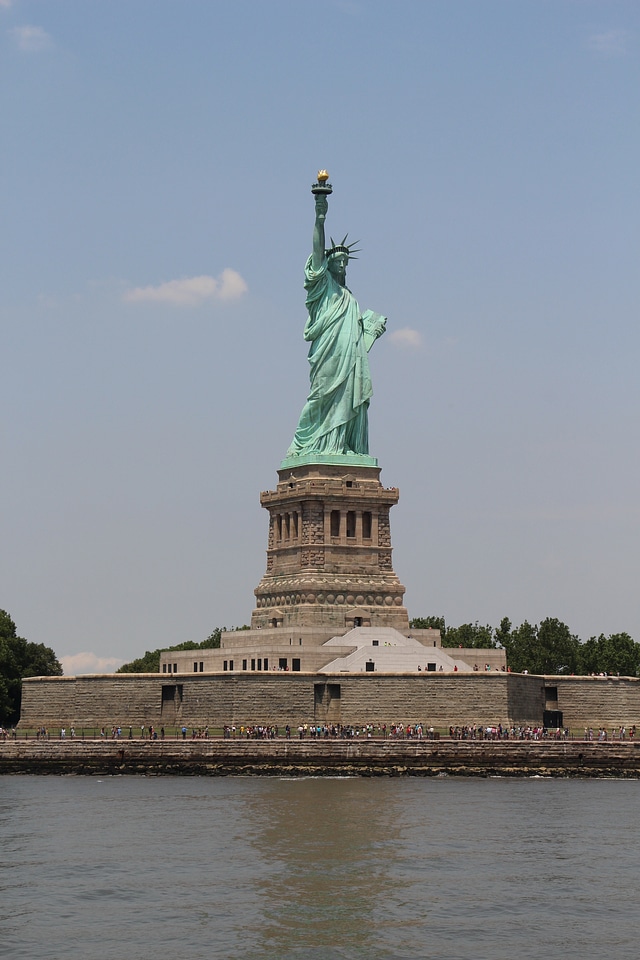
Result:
{"points": [[338, 869]]}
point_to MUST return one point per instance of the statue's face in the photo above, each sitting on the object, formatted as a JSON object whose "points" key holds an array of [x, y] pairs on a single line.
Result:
{"points": [[338, 267]]}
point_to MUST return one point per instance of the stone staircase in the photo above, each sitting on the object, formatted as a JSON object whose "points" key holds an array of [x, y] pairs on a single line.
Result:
{"points": [[385, 650]]}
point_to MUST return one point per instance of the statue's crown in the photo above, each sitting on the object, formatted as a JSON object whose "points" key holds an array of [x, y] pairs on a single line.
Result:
{"points": [[342, 247]]}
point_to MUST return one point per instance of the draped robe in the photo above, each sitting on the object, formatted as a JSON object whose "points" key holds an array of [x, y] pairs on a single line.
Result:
{"points": [[334, 418]]}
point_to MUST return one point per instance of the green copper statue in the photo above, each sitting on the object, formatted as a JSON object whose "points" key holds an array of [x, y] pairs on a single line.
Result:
{"points": [[334, 422]]}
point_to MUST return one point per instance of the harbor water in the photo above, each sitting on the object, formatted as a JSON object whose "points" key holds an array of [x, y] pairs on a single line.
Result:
{"points": [[107, 868]]}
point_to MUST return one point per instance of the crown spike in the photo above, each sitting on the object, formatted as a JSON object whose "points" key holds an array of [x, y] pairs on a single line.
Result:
{"points": [[345, 248]]}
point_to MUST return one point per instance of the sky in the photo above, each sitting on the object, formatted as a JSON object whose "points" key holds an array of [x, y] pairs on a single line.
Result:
{"points": [[156, 217]]}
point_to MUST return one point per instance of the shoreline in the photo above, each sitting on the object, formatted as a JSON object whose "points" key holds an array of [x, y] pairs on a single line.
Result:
{"points": [[303, 758]]}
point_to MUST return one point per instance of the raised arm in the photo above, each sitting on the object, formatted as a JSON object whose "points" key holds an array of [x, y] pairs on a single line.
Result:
{"points": [[317, 255]]}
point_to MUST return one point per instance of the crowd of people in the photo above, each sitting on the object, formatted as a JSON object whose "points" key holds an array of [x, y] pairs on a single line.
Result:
{"points": [[413, 731], [514, 732], [617, 733], [326, 731]]}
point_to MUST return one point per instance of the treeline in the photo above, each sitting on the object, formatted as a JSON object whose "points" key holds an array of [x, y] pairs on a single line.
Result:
{"points": [[20, 658], [547, 647], [150, 662]]}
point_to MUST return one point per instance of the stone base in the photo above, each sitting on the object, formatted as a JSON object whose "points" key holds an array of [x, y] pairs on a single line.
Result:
{"points": [[340, 619], [329, 551], [329, 459]]}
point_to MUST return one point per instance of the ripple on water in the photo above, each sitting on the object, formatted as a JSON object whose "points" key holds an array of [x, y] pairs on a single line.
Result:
{"points": [[447, 868]]}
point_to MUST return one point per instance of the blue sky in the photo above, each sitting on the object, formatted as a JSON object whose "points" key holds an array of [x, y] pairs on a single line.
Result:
{"points": [[156, 216]]}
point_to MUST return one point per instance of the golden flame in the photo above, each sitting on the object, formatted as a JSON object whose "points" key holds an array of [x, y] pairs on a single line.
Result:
{"points": [[323, 176]]}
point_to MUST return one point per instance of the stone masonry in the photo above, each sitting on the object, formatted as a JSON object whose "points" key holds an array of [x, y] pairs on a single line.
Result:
{"points": [[215, 699], [329, 555]]}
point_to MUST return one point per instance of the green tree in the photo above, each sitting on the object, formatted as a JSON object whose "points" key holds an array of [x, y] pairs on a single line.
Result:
{"points": [[502, 634], [469, 635], [18, 659], [149, 663], [213, 640], [621, 655], [428, 623], [547, 648], [7, 626], [615, 654], [557, 648], [589, 656], [520, 644], [466, 635]]}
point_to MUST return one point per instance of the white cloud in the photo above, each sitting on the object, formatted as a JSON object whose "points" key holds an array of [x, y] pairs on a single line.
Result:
{"points": [[232, 285], [406, 337], [31, 39], [612, 43], [87, 662], [191, 291]]}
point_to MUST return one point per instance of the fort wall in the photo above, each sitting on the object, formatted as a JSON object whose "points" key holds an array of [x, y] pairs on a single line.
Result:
{"points": [[595, 701], [280, 698]]}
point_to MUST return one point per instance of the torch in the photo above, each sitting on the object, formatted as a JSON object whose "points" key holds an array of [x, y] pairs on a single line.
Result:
{"points": [[322, 188]]}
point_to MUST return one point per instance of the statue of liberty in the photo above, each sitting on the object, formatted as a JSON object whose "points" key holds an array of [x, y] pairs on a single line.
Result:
{"points": [[334, 419]]}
